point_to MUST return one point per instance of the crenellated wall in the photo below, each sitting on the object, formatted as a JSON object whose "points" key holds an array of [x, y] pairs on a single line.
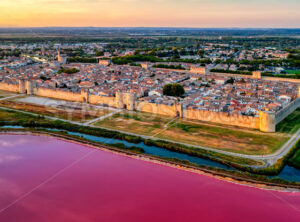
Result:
{"points": [[159, 109], [221, 117], [266, 121], [197, 70], [9, 87], [59, 94], [283, 113], [102, 100]]}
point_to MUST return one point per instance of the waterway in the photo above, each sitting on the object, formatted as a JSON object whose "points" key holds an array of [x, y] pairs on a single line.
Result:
{"points": [[288, 173], [48, 179]]}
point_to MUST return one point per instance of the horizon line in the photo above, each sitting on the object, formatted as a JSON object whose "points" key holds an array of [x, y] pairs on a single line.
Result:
{"points": [[168, 27]]}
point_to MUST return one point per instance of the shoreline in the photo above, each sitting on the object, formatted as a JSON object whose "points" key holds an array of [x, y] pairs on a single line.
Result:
{"points": [[263, 185]]}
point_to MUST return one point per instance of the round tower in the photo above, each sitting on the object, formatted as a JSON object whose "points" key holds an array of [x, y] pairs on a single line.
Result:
{"points": [[256, 75], [178, 109], [267, 121], [22, 88], [119, 100], [29, 87], [84, 96], [130, 101]]}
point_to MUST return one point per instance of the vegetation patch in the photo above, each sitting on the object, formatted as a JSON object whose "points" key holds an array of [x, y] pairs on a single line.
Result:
{"points": [[295, 160], [164, 66], [67, 70], [221, 137], [290, 124], [174, 89]]}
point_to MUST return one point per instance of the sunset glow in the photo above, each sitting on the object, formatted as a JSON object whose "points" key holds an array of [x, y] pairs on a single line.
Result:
{"points": [[150, 13]]}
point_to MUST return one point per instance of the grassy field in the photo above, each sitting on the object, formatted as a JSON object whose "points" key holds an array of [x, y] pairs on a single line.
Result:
{"points": [[27, 120], [290, 124], [295, 160], [73, 115], [142, 123], [293, 72], [11, 116], [227, 138]]}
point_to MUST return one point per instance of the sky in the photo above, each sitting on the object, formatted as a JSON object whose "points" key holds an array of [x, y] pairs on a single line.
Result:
{"points": [[151, 13]]}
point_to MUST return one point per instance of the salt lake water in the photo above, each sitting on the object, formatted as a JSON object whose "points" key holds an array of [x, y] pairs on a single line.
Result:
{"points": [[48, 179]]}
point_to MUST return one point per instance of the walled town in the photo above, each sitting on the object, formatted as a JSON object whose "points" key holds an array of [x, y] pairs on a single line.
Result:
{"points": [[244, 100]]}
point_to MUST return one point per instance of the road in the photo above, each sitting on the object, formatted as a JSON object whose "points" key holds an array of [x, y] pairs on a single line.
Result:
{"points": [[102, 117], [10, 97]]}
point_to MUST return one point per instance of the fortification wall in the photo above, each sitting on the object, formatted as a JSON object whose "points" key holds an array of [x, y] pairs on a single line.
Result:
{"points": [[283, 113], [172, 70], [9, 87], [223, 118], [231, 75], [58, 94], [154, 108], [197, 70], [266, 121], [102, 100], [262, 77], [281, 79]]}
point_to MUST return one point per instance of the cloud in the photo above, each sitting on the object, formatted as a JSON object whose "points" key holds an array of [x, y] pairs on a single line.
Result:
{"points": [[9, 158], [8, 143], [9, 188]]}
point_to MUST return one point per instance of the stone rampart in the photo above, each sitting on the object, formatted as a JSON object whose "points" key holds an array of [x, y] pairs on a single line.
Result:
{"points": [[221, 117], [267, 78], [159, 109], [9, 87], [102, 100], [58, 94], [283, 113], [266, 121]]}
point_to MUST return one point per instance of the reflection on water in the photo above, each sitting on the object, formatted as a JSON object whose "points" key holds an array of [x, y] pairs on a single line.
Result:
{"points": [[56, 180]]}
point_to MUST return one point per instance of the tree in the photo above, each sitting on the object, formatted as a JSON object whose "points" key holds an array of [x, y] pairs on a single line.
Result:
{"points": [[230, 81], [100, 53], [45, 78], [67, 70], [201, 52], [174, 89]]}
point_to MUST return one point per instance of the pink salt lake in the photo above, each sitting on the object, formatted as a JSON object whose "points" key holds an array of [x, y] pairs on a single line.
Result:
{"points": [[47, 179]]}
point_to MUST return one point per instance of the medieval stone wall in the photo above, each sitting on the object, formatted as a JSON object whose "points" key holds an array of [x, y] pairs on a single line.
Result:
{"points": [[197, 70], [9, 87], [281, 79], [283, 113], [102, 100], [58, 94], [266, 121], [159, 109], [223, 118]]}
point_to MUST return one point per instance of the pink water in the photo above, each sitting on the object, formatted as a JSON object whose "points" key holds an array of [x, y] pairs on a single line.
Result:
{"points": [[46, 179]]}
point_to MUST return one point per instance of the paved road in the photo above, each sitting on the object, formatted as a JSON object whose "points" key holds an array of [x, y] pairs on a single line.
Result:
{"points": [[270, 158], [9, 97], [102, 117]]}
